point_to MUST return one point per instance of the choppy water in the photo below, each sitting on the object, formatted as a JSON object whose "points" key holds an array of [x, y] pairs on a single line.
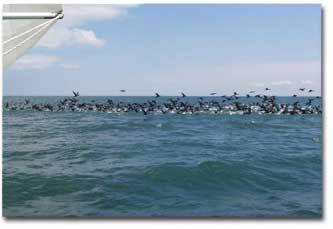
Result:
{"points": [[99, 164]]}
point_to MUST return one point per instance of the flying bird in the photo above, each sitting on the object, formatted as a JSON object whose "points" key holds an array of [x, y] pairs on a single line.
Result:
{"points": [[310, 90], [267, 89], [302, 89], [183, 94], [122, 90], [294, 95], [252, 92], [214, 93], [157, 95], [76, 94]]}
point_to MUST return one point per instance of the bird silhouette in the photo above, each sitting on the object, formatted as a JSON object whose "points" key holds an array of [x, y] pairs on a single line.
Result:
{"points": [[76, 94]]}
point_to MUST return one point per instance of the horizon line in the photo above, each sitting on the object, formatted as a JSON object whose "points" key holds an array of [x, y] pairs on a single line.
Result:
{"points": [[314, 95]]}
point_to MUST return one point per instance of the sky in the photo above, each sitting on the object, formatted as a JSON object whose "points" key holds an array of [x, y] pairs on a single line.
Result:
{"points": [[195, 49]]}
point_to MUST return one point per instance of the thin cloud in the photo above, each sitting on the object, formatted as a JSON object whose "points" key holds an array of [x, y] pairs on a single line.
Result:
{"points": [[39, 62], [67, 32], [281, 83], [306, 82], [70, 66], [71, 37], [36, 62], [78, 15]]}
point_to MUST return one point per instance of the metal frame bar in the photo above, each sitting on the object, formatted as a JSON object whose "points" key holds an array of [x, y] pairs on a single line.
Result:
{"points": [[30, 15]]}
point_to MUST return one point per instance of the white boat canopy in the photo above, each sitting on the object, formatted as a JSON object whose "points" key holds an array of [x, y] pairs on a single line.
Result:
{"points": [[23, 25]]}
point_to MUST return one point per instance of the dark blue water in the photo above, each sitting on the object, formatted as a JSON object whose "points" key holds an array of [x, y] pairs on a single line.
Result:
{"points": [[127, 164]]}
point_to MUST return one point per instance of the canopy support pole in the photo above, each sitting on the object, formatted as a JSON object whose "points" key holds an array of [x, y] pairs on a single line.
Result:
{"points": [[30, 15]]}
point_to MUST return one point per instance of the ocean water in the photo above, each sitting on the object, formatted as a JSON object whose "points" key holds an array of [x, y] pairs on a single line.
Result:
{"points": [[131, 165]]}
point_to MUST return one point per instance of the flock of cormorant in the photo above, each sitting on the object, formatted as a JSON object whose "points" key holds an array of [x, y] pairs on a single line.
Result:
{"points": [[262, 104]]}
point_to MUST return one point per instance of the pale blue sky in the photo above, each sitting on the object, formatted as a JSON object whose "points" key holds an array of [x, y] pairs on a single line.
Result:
{"points": [[196, 49]]}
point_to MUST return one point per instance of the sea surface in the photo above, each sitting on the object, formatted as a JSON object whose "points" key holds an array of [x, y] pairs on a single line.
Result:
{"points": [[131, 165]]}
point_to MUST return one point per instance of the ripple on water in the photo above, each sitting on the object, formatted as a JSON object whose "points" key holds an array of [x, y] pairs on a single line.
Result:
{"points": [[95, 164]]}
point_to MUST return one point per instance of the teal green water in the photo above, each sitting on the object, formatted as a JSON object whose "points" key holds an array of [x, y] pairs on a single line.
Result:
{"points": [[99, 164]]}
